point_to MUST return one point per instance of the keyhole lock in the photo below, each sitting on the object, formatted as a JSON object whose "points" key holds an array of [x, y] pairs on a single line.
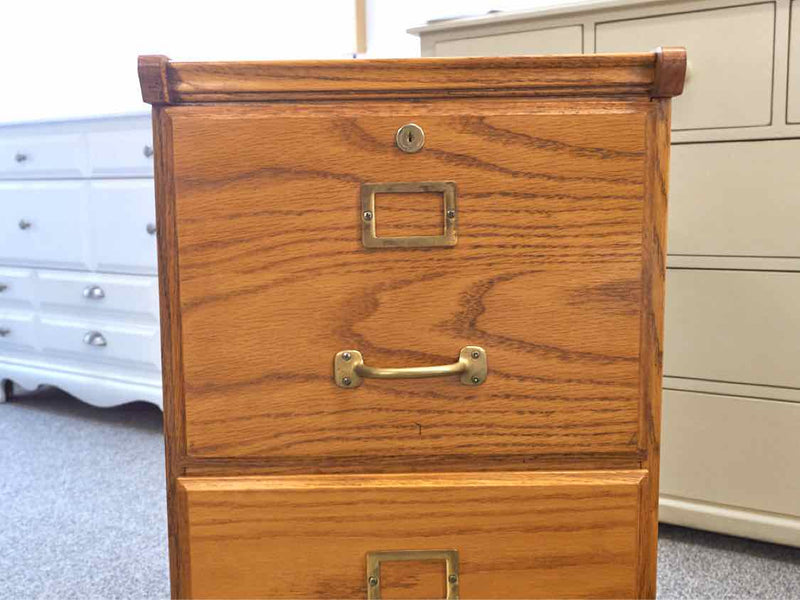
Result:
{"points": [[410, 138]]}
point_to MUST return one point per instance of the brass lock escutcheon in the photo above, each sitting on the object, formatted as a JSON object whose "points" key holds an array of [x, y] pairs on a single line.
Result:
{"points": [[349, 369], [374, 560]]}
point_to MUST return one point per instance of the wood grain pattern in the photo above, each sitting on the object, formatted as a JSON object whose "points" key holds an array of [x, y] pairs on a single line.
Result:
{"points": [[153, 79], [524, 535], [575, 75], [546, 276]]}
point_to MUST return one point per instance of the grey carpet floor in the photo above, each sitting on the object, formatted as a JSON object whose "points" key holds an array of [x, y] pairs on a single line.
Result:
{"points": [[82, 514]]}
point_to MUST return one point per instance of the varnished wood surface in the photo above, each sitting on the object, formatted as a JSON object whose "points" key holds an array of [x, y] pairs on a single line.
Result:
{"points": [[596, 75], [524, 535], [547, 276]]}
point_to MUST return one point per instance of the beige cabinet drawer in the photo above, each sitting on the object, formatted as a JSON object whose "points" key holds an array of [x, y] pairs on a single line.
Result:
{"points": [[16, 288], [733, 326], [735, 199], [720, 91], [122, 230], [734, 451], [17, 331], [95, 293], [42, 224], [128, 152], [101, 341], [43, 156], [793, 99], [555, 40]]}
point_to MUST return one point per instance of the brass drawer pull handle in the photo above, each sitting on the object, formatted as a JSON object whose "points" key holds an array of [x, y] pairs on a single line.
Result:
{"points": [[349, 369]]}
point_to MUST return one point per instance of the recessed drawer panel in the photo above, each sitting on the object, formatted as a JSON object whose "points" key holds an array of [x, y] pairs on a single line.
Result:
{"points": [[734, 326], [276, 279], [735, 199], [102, 341], [95, 293], [16, 288], [17, 331], [793, 100], [556, 40], [123, 234], [43, 156], [121, 153], [733, 451], [719, 92], [43, 224], [510, 535]]}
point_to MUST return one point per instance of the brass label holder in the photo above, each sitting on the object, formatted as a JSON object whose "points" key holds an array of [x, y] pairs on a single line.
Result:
{"points": [[349, 369], [374, 560], [370, 238]]}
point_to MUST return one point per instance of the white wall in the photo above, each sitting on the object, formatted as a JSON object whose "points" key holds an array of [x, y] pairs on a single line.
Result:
{"points": [[70, 58]]}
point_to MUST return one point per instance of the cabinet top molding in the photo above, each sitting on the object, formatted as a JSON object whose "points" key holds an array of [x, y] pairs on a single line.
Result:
{"points": [[656, 74]]}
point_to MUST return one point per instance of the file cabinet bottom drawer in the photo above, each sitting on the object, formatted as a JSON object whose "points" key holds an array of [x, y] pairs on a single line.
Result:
{"points": [[468, 535]]}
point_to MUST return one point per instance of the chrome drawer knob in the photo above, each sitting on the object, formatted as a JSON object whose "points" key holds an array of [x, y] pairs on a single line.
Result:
{"points": [[148, 151], [4, 331], [3, 287], [94, 292], [20, 157], [151, 228], [25, 224], [95, 338]]}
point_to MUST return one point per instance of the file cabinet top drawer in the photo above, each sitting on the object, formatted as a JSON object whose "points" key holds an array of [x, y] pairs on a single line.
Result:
{"points": [[405, 240]]}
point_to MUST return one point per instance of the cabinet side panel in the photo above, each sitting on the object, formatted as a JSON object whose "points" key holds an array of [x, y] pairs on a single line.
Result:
{"points": [[654, 254], [172, 369]]}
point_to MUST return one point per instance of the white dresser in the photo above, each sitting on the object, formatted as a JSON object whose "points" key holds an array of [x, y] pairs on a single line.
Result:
{"points": [[78, 276], [731, 413]]}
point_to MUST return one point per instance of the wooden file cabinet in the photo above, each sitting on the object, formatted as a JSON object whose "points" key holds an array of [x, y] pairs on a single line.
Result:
{"points": [[412, 323]]}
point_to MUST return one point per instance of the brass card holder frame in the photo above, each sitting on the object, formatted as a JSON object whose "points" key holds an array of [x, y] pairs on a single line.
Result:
{"points": [[370, 238], [374, 560]]}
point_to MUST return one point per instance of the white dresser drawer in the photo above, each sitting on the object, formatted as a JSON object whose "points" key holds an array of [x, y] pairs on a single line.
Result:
{"points": [[123, 225], [793, 99], [553, 40], [43, 156], [101, 341], [733, 326], [735, 199], [720, 91], [732, 451], [97, 294], [43, 224], [128, 152], [16, 288], [17, 331]]}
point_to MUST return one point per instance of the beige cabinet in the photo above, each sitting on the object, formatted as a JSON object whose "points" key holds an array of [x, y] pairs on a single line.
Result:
{"points": [[731, 407]]}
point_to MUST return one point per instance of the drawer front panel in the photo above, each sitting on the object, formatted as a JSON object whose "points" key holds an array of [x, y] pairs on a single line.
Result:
{"points": [[16, 288], [719, 92], [17, 331], [121, 153], [123, 226], [793, 100], [734, 326], [557, 40], [43, 156], [546, 276], [735, 199], [734, 451], [95, 293], [43, 224], [525, 535], [102, 341]]}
